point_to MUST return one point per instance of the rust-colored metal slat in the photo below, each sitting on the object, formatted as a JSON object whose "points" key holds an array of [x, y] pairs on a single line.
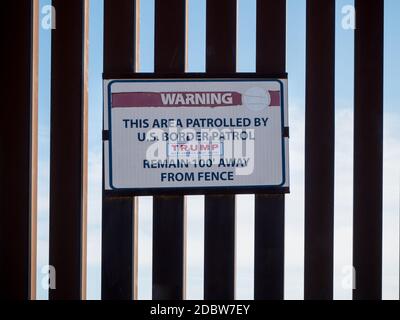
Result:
{"points": [[18, 145], [220, 214], [270, 208], [119, 223], [319, 150], [169, 211], [368, 150], [68, 149]]}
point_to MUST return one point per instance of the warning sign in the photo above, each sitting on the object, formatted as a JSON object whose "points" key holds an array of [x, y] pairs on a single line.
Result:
{"points": [[195, 134]]}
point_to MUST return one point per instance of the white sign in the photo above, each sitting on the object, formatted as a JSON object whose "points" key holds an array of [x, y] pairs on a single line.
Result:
{"points": [[195, 134]]}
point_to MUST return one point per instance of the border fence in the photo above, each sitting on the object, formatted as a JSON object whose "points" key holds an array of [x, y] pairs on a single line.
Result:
{"points": [[68, 167]]}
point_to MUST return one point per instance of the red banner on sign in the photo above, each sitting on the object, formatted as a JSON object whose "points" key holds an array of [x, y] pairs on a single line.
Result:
{"points": [[183, 99]]}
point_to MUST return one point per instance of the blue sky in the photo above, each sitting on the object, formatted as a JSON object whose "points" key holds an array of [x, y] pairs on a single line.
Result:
{"points": [[295, 213]]}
